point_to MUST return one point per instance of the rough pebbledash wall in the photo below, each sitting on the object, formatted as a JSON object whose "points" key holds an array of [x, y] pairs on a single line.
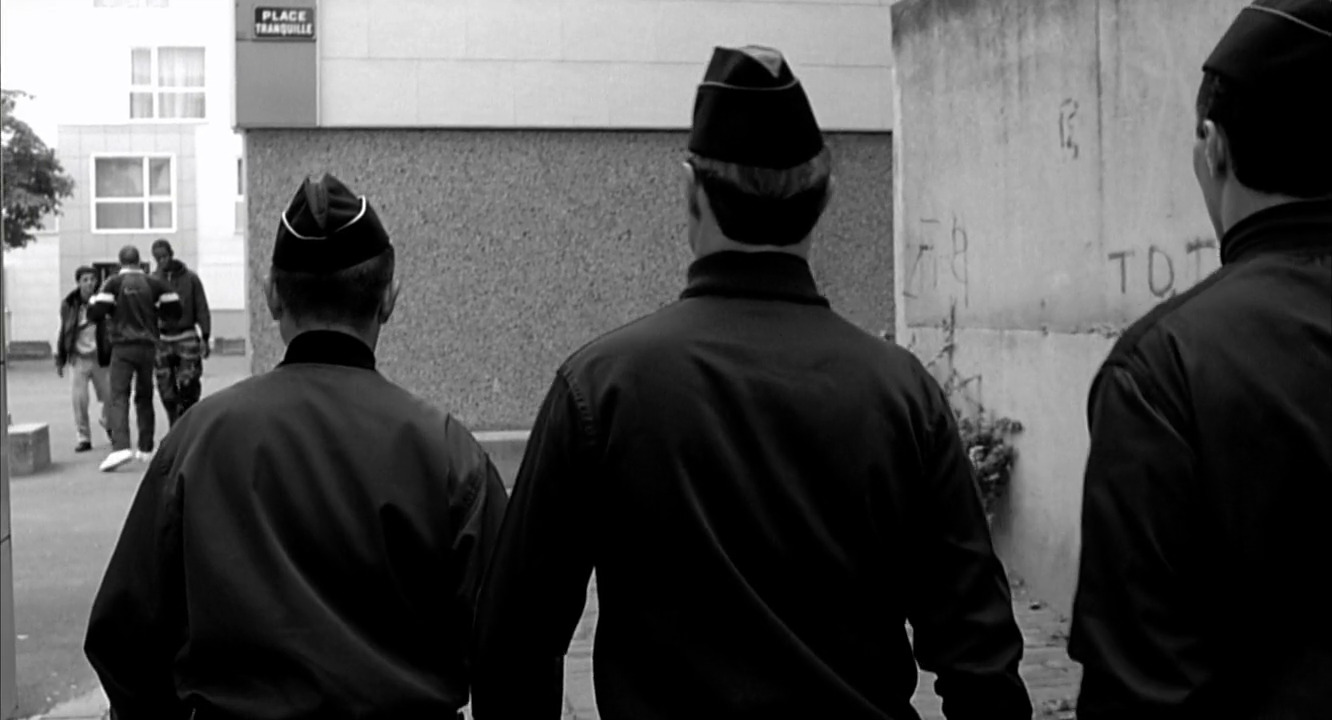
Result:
{"points": [[516, 247]]}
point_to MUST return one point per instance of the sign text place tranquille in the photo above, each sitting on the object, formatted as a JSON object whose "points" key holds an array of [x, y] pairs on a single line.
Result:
{"points": [[284, 23]]}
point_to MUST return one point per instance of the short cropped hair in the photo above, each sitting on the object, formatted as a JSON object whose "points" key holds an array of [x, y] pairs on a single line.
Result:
{"points": [[129, 255], [162, 244], [1277, 151], [761, 206], [83, 270], [349, 296]]}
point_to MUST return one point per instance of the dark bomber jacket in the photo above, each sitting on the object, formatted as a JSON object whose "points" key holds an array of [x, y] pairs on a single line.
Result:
{"points": [[1208, 486], [768, 494]]}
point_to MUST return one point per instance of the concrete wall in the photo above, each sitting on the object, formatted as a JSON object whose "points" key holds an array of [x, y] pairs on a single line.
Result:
{"points": [[585, 63], [1045, 194], [80, 242], [32, 290], [517, 247], [8, 673]]}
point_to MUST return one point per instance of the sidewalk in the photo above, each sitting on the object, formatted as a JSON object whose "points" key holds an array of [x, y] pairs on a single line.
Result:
{"points": [[90, 706], [1052, 678]]}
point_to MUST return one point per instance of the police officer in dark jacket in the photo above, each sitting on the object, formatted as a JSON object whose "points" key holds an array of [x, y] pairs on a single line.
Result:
{"points": [[767, 493], [308, 543], [1209, 482]]}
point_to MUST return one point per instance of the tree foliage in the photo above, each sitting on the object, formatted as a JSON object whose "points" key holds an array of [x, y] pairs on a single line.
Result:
{"points": [[34, 183]]}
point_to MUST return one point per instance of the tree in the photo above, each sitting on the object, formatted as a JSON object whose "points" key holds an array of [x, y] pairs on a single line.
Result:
{"points": [[33, 183]]}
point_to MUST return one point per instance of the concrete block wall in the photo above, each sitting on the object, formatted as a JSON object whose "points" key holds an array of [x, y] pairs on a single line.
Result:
{"points": [[585, 63], [79, 144], [1044, 193], [32, 290], [517, 247]]}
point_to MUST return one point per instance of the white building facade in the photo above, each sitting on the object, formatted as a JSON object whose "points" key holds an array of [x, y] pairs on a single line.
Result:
{"points": [[136, 98]]}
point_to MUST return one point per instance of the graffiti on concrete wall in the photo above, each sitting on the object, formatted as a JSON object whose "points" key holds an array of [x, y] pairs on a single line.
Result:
{"points": [[942, 249], [1068, 113], [1162, 270]]}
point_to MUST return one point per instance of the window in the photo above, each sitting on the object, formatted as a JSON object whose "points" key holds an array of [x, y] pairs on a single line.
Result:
{"points": [[166, 83], [133, 193], [131, 3]]}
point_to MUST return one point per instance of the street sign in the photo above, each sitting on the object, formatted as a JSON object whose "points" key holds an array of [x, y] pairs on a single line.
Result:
{"points": [[284, 23]]}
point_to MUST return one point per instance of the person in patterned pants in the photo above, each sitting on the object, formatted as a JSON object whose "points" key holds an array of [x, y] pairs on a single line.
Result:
{"points": [[183, 343]]}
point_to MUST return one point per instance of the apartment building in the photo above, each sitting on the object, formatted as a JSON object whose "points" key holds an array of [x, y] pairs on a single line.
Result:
{"points": [[136, 98]]}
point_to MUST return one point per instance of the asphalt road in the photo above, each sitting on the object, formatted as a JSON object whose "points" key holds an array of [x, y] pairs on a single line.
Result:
{"points": [[65, 521]]}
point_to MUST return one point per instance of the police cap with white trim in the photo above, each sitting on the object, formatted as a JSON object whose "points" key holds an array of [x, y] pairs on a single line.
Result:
{"points": [[1279, 47], [327, 228], [751, 110]]}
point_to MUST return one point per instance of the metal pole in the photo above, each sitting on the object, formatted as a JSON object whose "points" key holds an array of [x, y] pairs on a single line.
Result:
{"points": [[8, 680]]}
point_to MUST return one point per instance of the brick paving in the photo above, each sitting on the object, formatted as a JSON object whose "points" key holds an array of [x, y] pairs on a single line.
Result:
{"points": [[1052, 678]]}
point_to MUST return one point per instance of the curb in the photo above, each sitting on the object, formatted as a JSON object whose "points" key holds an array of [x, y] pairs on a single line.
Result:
{"points": [[93, 705]]}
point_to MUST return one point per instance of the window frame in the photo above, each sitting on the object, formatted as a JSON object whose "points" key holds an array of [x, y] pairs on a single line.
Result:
{"points": [[146, 200], [155, 90], [134, 5]]}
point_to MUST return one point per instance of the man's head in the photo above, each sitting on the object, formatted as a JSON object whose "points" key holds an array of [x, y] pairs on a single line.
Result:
{"points": [[332, 264], [129, 256], [759, 175], [162, 251], [86, 278], [1263, 132]]}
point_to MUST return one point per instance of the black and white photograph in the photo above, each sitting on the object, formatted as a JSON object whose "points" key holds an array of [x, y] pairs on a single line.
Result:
{"points": [[666, 359]]}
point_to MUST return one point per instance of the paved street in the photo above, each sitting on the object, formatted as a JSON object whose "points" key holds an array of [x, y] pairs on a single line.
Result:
{"points": [[65, 523], [66, 520], [1052, 678]]}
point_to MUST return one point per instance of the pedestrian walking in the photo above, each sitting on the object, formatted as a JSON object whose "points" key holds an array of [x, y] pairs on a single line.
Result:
{"points": [[183, 342], [1210, 473], [134, 302], [307, 543], [767, 493], [84, 348]]}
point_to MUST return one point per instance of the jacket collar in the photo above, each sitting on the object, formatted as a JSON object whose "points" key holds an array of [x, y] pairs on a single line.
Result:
{"points": [[1304, 226], [131, 270], [328, 347], [173, 266], [75, 298], [763, 276]]}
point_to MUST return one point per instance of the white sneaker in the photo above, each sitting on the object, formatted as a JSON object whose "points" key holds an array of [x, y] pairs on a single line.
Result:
{"points": [[116, 459], [142, 456]]}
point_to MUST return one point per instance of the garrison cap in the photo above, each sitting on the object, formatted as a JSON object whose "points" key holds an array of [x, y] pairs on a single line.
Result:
{"points": [[1279, 47], [751, 110], [327, 228]]}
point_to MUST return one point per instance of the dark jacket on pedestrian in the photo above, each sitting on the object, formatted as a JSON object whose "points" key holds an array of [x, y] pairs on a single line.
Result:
{"points": [[193, 301], [134, 302], [1208, 488], [70, 309], [768, 495], [306, 544]]}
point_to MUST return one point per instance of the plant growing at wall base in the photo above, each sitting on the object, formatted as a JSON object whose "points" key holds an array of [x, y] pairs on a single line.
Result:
{"points": [[986, 437], [33, 180]]}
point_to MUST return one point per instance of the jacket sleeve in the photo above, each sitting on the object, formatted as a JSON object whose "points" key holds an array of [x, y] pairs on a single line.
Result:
{"points": [[203, 317], [104, 301], [474, 543], [168, 302], [61, 357], [535, 590], [1132, 628], [137, 621], [961, 612]]}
